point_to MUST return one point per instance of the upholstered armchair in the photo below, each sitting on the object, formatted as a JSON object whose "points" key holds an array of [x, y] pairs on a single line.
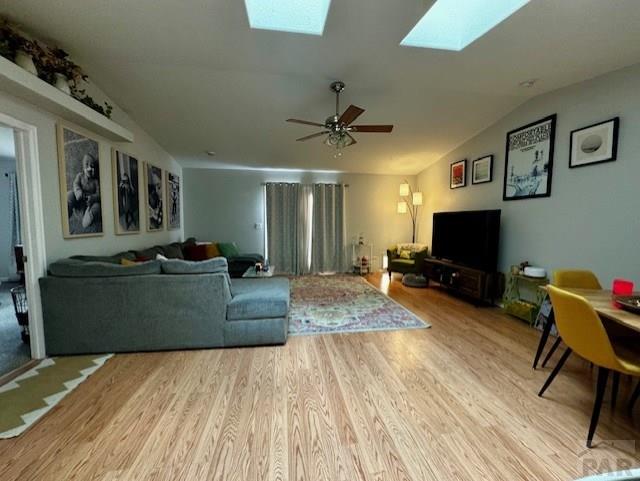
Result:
{"points": [[406, 258]]}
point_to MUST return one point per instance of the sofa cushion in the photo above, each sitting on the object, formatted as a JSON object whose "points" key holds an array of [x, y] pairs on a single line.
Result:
{"points": [[77, 268], [148, 254], [258, 298], [114, 259], [172, 251], [228, 249], [178, 266]]}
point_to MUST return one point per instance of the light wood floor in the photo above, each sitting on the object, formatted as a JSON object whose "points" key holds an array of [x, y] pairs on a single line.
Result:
{"points": [[457, 401]]}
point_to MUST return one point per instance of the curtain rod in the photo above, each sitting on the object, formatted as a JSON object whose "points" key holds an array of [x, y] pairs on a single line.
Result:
{"points": [[315, 183]]}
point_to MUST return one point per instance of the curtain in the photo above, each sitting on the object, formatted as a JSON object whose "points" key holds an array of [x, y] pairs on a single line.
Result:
{"points": [[305, 214], [288, 227], [14, 221], [328, 251]]}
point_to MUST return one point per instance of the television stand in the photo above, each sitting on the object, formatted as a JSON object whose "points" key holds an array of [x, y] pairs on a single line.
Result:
{"points": [[475, 284]]}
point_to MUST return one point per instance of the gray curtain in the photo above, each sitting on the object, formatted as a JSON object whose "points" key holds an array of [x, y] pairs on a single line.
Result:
{"points": [[288, 209], [328, 251], [14, 221]]}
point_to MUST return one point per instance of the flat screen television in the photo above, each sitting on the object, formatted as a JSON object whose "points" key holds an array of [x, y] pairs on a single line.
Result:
{"points": [[469, 238]]}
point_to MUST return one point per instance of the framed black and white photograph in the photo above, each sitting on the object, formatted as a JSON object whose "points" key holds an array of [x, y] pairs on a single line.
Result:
{"points": [[154, 198], [458, 174], [126, 192], [529, 160], [482, 170], [79, 176], [594, 144], [173, 201]]}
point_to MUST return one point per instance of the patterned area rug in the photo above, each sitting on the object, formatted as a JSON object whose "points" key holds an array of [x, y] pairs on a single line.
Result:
{"points": [[344, 303], [31, 395]]}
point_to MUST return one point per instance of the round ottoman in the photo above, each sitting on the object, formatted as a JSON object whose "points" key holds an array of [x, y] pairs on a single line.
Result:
{"points": [[414, 280]]}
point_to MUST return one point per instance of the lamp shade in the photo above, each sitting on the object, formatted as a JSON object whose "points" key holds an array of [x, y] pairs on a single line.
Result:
{"points": [[402, 207], [417, 198], [404, 189]]}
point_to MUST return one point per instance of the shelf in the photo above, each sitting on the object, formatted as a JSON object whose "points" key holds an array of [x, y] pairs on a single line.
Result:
{"points": [[16, 81]]}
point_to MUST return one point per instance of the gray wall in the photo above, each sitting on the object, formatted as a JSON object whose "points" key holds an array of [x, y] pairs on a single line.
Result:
{"points": [[592, 219], [225, 205]]}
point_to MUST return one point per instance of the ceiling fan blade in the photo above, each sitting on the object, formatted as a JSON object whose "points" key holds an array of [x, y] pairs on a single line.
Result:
{"points": [[350, 115], [306, 122], [371, 128], [302, 139], [353, 141]]}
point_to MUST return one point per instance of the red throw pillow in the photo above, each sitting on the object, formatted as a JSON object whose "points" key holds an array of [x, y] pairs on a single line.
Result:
{"points": [[196, 252]]}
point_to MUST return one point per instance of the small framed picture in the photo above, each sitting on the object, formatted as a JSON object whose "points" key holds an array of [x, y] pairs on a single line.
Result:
{"points": [[173, 201], [155, 198], [594, 144], [529, 160], [79, 175], [126, 193], [458, 174], [482, 170]]}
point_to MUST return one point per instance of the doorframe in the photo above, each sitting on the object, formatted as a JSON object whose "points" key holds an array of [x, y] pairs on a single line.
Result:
{"points": [[32, 222]]}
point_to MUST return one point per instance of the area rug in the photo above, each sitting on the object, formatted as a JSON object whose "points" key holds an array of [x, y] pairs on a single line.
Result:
{"points": [[344, 303], [31, 395]]}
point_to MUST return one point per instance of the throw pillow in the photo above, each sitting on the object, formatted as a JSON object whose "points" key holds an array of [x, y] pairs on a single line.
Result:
{"points": [[160, 257], [195, 252], [212, 250], [228, 249], [127, 262], [405, 254]]}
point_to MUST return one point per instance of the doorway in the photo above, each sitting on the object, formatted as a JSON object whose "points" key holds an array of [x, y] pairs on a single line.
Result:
{"points": [[14, 329], [22, 246]]}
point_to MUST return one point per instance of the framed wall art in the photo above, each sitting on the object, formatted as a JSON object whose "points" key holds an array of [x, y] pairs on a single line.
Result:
{"points": [[458, 174], [79, 176], [594, 144], [482, 170], [529, 160]]}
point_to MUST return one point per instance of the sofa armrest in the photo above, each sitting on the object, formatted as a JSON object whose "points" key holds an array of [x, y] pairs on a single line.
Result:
{"points": [[420, 257]]}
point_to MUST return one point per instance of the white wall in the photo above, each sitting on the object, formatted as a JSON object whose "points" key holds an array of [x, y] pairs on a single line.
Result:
{"points": [[225, 205], [144, 148], [6, 165], [592, 219]]}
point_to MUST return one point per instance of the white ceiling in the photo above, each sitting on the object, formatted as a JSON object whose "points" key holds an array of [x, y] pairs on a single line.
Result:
{"points": [[196, 77]]}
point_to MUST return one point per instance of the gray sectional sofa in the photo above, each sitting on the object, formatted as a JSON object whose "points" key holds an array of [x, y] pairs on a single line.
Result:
{"points": [[99, 306]]}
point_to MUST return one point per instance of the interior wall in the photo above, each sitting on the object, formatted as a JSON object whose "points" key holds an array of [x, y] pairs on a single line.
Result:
{"points": [[591, 220], [144, 148], [226, 205], [7, 164]]}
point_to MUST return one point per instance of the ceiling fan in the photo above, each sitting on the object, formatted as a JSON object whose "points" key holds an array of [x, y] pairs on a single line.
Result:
{"points": [[338, 127]]}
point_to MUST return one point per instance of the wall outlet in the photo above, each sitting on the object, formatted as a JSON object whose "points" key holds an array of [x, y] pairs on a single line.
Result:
{"points": [[258, 225]]}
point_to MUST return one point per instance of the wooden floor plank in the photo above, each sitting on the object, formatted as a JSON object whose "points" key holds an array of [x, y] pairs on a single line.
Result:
{"points": [[454, 402]]}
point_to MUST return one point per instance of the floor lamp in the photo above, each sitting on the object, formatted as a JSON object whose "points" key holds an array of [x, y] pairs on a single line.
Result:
{"points": [[410, 203]]}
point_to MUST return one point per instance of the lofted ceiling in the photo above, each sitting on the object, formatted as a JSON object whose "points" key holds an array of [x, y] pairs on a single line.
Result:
{"points": [[197, 78]]}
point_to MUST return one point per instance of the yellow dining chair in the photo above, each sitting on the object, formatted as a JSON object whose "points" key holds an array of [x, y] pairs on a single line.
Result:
{"points": [[577, 279], [564, 278], [582, 331]]}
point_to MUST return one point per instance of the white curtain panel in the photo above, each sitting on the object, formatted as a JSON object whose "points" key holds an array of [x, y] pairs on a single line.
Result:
{"points": [[328, 250], [305, 214], [283, 212], [14, 221]]}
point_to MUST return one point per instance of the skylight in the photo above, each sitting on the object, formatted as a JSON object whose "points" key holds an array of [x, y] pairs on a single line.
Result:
{"points": [[297, 16], [454, 24]]}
